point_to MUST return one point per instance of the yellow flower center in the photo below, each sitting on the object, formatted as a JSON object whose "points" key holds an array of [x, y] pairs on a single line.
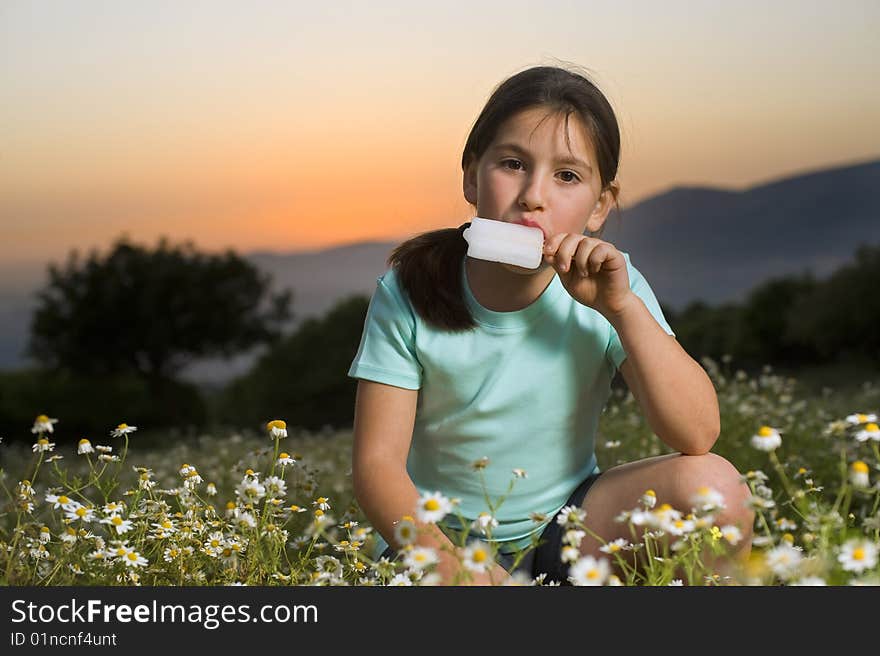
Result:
{"points": [[230, 505], [613, 548], [858, 554], [765, 431], [42, 419], [42, 441], [277, 423], [45, 529], [479, 556], [319, 513], [120, 551], [122, 426], [132, 555], [63, 499], [84, 441], [81, 512], [283, 456], [215, 543], [873, 428], [860, 467], [593, 574], [249, 472], [432, 504], [117, 520]]}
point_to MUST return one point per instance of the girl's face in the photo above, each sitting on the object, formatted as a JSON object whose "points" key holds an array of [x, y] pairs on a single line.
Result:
{"points": [[527, 175]]}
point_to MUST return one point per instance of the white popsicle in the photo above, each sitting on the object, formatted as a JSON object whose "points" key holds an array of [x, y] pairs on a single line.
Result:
{"points": [[510, 243]]}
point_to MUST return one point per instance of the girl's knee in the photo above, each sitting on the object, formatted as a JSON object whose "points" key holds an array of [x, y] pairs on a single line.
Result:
{"points": [[716, 472]]}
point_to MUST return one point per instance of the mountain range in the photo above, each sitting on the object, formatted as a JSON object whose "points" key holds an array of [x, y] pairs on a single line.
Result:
{"points": [[690, 243]]}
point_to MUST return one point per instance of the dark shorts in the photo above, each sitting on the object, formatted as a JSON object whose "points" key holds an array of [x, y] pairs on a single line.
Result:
{"points": [[546, 558]]}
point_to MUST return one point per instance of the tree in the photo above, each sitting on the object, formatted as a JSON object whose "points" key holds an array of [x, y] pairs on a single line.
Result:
{"points": [[151, 312], [303, 379]]}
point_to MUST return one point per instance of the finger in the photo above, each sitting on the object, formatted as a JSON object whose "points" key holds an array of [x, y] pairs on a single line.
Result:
{"points": [[582, 256], [601, 254], [566, 252]]}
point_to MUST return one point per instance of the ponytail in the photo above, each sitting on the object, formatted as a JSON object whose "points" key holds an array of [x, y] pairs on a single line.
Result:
{"points": [[429, 269]]}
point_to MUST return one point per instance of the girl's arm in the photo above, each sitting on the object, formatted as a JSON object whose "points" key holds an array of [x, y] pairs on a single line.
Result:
{"points": [[383, 426], [673, 390]]}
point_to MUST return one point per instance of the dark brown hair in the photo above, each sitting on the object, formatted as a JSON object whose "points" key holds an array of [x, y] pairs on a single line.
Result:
{"points": [[429, 265]]}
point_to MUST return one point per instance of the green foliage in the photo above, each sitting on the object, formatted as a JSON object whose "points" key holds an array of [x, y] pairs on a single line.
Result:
{"points": [[152, 311], [792, 321], [841, 316], [91, 402], [303, 376]]}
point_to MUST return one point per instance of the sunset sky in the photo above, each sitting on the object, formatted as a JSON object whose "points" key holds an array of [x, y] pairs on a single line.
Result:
{"points": [[293, 126]]}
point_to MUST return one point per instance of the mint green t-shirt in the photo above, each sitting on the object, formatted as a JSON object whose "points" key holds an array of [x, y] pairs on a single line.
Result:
{"points": [[524, 389]]}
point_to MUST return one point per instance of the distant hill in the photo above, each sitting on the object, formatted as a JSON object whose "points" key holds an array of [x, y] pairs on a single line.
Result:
{"points": [[690, 243]]}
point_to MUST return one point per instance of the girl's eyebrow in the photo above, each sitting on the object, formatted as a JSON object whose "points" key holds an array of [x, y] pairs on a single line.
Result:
{"points": [[562, 160]]}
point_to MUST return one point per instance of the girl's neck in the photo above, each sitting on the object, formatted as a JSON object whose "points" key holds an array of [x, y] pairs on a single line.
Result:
{"points": [[501, 290]]}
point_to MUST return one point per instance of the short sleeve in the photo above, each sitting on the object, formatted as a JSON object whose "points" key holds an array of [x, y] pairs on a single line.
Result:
{"points": [[387, 350], [614, 352]]}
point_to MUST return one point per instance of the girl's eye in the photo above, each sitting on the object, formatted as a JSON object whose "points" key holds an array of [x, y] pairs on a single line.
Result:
{"points": [[507, 162]]}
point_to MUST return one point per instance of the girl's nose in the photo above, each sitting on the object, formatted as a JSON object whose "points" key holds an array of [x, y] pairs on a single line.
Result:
{"points": [[531, 195]]}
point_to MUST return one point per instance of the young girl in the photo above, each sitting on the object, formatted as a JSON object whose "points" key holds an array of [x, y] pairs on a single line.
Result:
{"points": [[463, 359]]}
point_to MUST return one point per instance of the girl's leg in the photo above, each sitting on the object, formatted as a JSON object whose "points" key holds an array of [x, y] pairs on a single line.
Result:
{"points": [[675, 478]]}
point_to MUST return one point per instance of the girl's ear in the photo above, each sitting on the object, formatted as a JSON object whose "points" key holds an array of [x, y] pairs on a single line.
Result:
{"points": [[603, 206], [469, 182]]}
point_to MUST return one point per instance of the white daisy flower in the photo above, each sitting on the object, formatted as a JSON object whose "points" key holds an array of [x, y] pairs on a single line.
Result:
{"points": [[61, 501], [520, 473], [809, 580], [784, 560], [122, 429], [766, 439], [785, 524], [649, 499], [323, 503], [676, 582], [859, 418], [569, 554], [419, 558], [405, 531], [133, 559], [250, 491], [614, 546], [589, 571], [84, 447], [432, 507], [285, 459], [731, 533], [573, 537], [80, 513], [400, 579], [275, 487], [858, 474], [277, 428], [43, 444], [870, 432], [483, 522], [707, 499], [572, 516], [857, 555], [477, 557], [122, 526], [43, 424]]}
